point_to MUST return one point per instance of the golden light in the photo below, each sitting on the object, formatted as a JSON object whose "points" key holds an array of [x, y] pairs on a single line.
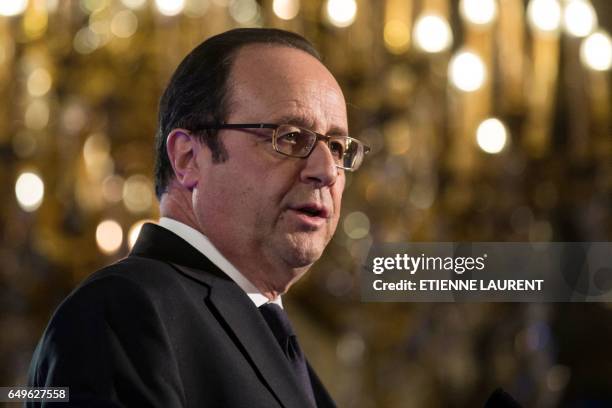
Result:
{"points": [[244, 11], [93, 6], [491, 136], [96, 154], [29, 190], [135, 231], [112, 188], [134, 4], [39, 82], [52, 5], [37, 115], [11, 8], [544, 15], [170, 7], [479, 12], [109, 236], [596, 51], [196, 8], [432, 33], [137, 194], [467, 72], [286, 9], [397, 36], [85, 41], [96, 146], [341, 13], [356, 225], [35, 24], [101, 29], [124, 24], [579, 18]]}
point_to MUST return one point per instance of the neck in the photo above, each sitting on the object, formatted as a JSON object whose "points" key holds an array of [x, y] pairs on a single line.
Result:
{"points": [[272, 279]]}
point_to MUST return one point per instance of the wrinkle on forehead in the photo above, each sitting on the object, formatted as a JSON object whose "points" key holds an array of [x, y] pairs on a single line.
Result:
{"points": [[293, 113], [273, 83]]}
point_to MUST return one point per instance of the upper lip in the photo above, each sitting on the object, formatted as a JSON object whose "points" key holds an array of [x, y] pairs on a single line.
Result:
{"points": [[317, 210]]}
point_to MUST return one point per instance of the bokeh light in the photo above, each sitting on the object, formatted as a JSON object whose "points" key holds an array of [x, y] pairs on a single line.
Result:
{"points": [[12, 7], [109, 236], [196, 8], [29, 190], [52, 5], [491, 136], [100, 27], [479, 12], [112, 188], [356, 225], [35, 24], [579, 18], [124, 24], [96, 154], [544, 15], [596, 51], [134, 4], [467, 71], [137, 194], [397, 36], [93, 6], [286, 9], [36, 115], [244, 11], [170, 7], [341, 13], [432, 33], [85, 41], [39, 82]]}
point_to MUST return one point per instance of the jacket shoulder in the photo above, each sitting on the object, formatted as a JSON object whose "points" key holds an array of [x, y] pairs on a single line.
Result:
{"points": [[97, 330]]}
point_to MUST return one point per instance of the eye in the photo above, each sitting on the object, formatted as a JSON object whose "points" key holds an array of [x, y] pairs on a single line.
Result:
{"points": [[290, 138], [337, 148]]}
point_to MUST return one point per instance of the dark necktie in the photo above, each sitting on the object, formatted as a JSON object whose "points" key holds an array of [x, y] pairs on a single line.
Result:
{"points": [[281, 328]]}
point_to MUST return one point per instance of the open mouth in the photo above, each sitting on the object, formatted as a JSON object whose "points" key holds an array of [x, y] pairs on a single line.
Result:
{"points": [[312, 211]]}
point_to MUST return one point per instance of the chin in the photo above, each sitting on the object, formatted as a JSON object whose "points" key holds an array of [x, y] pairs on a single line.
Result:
{"points": [[302, 256], [302, 249]]}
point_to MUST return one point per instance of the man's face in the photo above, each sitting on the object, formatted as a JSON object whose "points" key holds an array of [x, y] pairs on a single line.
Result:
{"points": [[255, 207]]}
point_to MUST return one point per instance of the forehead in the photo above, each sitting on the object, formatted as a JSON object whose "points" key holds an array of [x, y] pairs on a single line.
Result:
{"points": [[268, 83]]}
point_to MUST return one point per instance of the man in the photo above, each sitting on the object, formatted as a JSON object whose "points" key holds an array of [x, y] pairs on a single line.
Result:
{"points": [[249, 197]]}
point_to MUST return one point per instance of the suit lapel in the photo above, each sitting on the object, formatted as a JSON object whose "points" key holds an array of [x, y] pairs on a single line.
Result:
{"points": [[251, 333], [241, 318]]}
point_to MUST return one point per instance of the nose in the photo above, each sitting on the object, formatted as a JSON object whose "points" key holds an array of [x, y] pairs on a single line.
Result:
{"points": [[320, 168]]}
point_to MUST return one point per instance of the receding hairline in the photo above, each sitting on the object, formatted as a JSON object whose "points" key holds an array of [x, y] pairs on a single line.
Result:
{"points": [[229, 85]]}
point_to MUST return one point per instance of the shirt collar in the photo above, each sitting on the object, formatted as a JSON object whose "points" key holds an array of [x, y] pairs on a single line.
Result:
{"points": [[199, 241]]}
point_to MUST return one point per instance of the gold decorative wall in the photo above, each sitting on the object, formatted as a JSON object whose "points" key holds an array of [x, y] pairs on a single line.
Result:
{"points": [[489, 120]]}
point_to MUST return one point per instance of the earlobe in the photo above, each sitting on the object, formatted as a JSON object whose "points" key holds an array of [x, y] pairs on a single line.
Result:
{"points": [[183, 148]]}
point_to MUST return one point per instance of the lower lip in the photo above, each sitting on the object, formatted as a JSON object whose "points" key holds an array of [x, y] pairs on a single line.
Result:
{"points": [[308, 220]]}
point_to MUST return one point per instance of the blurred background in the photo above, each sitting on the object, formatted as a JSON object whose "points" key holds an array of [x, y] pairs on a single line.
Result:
{"points": [[489, 120]]}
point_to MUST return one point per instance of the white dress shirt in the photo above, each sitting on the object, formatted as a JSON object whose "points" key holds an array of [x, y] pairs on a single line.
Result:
{"points": [[200, 242]]}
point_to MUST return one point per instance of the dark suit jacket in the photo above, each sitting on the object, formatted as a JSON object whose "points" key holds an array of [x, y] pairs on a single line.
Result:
{"points": [[165, 327]]}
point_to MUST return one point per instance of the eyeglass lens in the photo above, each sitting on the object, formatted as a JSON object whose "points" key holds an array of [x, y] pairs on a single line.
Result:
{"points": [[298, 142]]}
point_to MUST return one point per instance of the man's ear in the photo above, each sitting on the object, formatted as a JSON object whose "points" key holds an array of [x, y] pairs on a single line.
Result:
{"points": [[183, 148]]}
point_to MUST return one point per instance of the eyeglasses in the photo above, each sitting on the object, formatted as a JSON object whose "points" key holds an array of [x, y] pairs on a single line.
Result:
{"points": [[295, 141]]}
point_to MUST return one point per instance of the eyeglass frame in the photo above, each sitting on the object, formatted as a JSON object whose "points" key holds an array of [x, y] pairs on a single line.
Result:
{"points": [[275, 126]]}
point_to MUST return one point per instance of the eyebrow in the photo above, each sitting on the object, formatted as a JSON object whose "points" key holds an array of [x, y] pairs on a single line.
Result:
{"points": [[309, 123]]}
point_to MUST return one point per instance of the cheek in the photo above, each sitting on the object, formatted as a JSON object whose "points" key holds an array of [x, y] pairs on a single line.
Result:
{"points": [[336, 192]]}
